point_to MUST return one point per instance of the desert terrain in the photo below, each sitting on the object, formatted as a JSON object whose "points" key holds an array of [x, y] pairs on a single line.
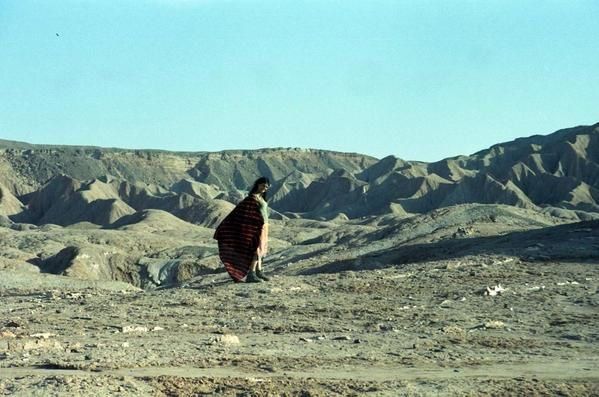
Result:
{"points": [[475, 275]]}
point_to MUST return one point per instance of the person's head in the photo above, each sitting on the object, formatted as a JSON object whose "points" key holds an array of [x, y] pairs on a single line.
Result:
{"points": [[260, 187]]}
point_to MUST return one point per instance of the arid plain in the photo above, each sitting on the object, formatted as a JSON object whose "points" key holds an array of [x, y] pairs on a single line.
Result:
{"points": [[473, 275]]}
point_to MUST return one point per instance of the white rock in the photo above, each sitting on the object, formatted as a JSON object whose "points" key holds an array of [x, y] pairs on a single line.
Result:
{"points": [[42, 335], [228, 339], [133, 328], [495, 324], [495, 290], [536, 288], [445, 303]]}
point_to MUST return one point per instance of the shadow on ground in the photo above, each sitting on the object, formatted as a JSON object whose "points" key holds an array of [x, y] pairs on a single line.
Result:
{"points": [[567, 243]]}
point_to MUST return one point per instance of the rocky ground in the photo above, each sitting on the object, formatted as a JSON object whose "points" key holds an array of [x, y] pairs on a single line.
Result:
{"points": [[496, 308]]}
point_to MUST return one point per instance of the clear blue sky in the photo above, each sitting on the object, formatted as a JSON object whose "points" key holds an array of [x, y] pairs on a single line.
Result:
{"points": [[418, 79]]}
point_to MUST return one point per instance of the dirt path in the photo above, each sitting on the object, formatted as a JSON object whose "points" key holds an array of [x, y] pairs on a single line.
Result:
{"points": [[545, 370]]}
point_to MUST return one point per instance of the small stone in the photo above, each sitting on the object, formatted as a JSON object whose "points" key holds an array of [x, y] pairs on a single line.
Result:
{"points": [[133, 328], [495, 290], [536, 288], [446, 303], [495, 324], [42, 335], [343, 337], [227, 339], [157, 329]]}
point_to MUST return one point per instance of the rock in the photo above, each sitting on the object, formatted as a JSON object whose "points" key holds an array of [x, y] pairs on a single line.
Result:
{"points": [[385, 327], [495, 290], [42, 335], [494, 324], [306, 340], [7, 334], [227, 339], [24, 345], [157, 329], [454, 333], [536, 288], [446, 303], [133, 328], [343, 337]]}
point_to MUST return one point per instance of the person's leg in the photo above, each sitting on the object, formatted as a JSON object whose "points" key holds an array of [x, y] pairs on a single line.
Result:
{"points": [[259, 270], [252, 277]]}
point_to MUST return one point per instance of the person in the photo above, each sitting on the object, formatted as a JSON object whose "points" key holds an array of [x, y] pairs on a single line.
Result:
{"points": [[243, 236]]}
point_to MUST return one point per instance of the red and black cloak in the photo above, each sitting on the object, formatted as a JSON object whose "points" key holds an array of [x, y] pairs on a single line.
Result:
{"points": [[238, 237]]}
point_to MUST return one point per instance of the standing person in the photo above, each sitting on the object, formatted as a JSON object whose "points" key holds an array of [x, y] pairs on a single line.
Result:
{"points": [[243, 236]]}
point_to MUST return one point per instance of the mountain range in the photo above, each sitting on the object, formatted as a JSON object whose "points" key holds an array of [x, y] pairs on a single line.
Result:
{"points": [[557, 174]]}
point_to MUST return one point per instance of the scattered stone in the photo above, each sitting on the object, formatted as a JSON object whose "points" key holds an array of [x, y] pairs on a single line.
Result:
{"points": [[13, 324], [343, 337], [454, 333], [268, 368], [385, 327], [227, 339], [25, 345], [43, 335], [446, 303], [453, 265], [495, 290], [133, 328], [494, 324], [536, 288]]}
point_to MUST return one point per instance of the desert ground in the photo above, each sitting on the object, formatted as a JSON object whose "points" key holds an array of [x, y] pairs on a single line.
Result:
{"points": [[468, 300]]}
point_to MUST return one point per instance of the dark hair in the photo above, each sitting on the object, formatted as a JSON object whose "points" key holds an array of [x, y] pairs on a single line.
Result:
{"points": [[258, 182]]}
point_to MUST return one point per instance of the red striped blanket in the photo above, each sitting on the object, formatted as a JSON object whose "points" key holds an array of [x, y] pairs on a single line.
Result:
{"points": [[238, 237]]}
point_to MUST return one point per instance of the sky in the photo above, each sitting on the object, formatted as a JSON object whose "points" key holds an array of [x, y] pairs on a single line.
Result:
{"points": [[417, 79]]}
